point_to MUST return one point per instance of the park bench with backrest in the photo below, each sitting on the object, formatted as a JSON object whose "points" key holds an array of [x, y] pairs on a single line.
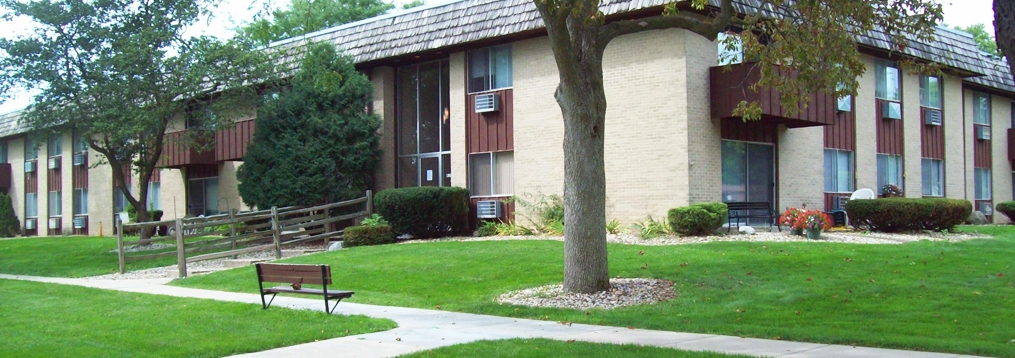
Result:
{"points": [[296, 276], [751, 210]]}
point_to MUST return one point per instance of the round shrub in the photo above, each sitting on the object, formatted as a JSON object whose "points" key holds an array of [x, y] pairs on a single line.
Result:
{"points": [[698, 219], [1007, 208], [425, 212], [907, 214], [368, 235]]}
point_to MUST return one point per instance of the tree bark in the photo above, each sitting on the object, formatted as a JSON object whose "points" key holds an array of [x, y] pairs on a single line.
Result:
{"points": [[1004, 30]]}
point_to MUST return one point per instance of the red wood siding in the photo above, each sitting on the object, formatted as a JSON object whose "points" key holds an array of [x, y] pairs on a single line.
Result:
{"points": [[1011, 144], [842, 133], [830, 199], [54, 180], [730, 86], [156, 175], [32, 180], [493, 131], [889, 133], [231, 144], [176, 153], [932, 138], [753, 131], [5, 176], [508, 209], [79, 176], [202, 171], [981, 151]]}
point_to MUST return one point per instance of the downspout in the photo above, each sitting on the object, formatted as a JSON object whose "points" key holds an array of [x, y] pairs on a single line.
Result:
{"points": [[965, 153]]}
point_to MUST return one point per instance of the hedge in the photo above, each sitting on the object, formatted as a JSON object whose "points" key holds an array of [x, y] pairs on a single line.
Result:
{"points": [[364, 235], [1007, 208], [425, 212], [698, 219], [907, 214]]}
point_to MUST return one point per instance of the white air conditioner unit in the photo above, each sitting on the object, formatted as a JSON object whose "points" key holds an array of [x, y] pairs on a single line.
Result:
{"points": [[489, 102], [983, 132], [80, 159], [30, 167], [30, 224], [840, 202], [54, 223], [891, 110], [932, 117], [80, 222], [985, 208], [488, 209], [54, 163]]}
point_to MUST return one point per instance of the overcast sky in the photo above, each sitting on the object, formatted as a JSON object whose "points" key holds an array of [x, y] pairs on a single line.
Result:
{"points": [[232, 13]]}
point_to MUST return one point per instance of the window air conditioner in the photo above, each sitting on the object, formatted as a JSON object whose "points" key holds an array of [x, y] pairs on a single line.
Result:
{"points": [[488, 209], [489, 102], [54, 223], [80, 159], [80, 222], [54, 163], [891, 110], [985, 208], [983, 132], [840, 202], [30, 224], [933, 117], [30, 167]]}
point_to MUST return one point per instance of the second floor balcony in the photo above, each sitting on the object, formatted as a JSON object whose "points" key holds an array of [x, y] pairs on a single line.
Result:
{"points": [[728, 87]]}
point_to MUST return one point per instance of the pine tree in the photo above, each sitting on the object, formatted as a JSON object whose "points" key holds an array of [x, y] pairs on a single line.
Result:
{"points": [[9, 224]]}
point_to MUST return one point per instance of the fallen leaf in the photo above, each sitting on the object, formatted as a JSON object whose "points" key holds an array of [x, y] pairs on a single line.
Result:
{"points": [[398, 339], [750, 273], [810, 279], [1000, 274], [438, 307], [642, 252], [570, 341], [872, 280], [631, 327], [644, 267], [797, 313]]}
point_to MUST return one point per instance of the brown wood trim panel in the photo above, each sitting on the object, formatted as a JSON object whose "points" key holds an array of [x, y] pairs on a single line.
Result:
{"points": [[830, 199], [202, 171], [932, 138], [842, 133], [6, 177], [156, 175], [58, 230], [176, 153], [753, 131], [729, 86], [491, 131], [1011, 146], [231, 144], [79, 177], [54, 181], [890, 137], [32, 179], [982, 154]]}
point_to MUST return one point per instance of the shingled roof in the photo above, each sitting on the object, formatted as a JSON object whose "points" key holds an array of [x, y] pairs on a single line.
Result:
{"points": [[11, 125]]}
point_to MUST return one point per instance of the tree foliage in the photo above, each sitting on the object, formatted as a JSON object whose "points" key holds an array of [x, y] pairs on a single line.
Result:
{"points": [[9, 224], [306, 16], [813, 38], [314, 142], [984, 40], [117, 72]]}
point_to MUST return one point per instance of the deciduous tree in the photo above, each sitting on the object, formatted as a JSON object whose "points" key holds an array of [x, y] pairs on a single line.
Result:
{"points": [[1004, 30], [306, 16]]}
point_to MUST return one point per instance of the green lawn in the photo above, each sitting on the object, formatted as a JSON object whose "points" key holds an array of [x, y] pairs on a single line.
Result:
{"points": [[76, 256], [512, 348], [936, 296], [50, 320]]}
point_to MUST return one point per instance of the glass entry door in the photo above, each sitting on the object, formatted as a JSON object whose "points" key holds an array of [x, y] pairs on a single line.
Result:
{"points": [[748, 173], [424, 131]]}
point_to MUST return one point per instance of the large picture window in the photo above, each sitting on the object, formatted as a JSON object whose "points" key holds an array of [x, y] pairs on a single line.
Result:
{"points": [[887, 81], [981, 181], [889, 171], [55, 203], [930, 92], [492, 174], [424, 128], [838, 171], [490, 68], [933, 177], [80, 201], [981, 108], [31, 205]]}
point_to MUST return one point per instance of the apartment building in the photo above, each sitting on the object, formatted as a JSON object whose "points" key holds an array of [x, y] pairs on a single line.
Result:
{"points": [[465, 91]]}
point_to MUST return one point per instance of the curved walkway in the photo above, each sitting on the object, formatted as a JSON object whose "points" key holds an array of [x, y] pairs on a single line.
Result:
{"points": [[421, 329]]}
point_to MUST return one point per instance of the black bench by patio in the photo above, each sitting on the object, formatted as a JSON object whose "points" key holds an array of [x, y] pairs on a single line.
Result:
{"points": [[296, 276], [751, 210]]}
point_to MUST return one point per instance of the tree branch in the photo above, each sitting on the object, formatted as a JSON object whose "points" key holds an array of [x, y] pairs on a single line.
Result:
{"points": [[700, 24]]}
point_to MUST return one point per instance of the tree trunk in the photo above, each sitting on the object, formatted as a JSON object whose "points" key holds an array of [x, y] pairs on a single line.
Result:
{"points": [[1004, 30]]}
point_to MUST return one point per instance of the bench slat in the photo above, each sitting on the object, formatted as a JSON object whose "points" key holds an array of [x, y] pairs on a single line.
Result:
{"points": [[309, 291]]}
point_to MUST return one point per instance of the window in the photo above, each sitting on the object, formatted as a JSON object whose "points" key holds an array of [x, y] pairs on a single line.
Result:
{"points": [[120, 202], [731, 49], [31, 205], [55, 207], [3, 152], [203, 196], [31, 149], [80, 201], [981, 108], [930, 92], [889, 171], [845, 103], [55, 145], [838, 171], [422, 129], [887, 78], [981, 179], [80, 146], [933, 177], [154, 193], [492, 173], [490, 68]]}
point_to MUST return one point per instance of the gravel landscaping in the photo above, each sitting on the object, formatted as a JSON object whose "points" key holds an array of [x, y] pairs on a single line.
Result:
{"points": [[622, 292]]}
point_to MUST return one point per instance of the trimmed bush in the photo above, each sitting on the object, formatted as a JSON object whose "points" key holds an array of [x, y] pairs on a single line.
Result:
{"points": [[367, 235], [425, 212], [9, 224], [1007, 208], [698, 219], [907, 214]]}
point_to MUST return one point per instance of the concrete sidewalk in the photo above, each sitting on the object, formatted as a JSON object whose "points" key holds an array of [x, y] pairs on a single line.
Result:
{"points": [[421, 329]]}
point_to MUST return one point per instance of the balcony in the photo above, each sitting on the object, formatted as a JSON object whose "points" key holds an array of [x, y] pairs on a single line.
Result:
{"points": [[5, 176], [176, 153], [731, 86], [231, 144]]}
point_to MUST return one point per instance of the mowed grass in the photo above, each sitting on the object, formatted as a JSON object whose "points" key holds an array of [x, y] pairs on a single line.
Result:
{"points": [[50, 320], [75, 256], [934, 296], [511, 348]]}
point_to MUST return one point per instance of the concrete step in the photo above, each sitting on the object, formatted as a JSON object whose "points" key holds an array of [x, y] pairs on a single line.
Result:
{"points": [[233, 263]]}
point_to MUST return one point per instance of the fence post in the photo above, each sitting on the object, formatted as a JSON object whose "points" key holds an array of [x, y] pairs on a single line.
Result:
{"points": [[119, 247], [327, 226], [370, 202], [276, 232], [181, 251], [232, 228]]}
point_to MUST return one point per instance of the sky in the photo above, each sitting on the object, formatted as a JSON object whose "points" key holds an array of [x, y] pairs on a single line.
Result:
{"points": [[230, 14]]}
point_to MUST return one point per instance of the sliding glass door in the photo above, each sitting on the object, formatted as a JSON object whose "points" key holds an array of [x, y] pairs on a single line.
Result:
{"points": [[748, 173]]}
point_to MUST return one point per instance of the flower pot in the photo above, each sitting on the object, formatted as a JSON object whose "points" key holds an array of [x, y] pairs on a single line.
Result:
{"points": [[798, 232], [814, 234]]}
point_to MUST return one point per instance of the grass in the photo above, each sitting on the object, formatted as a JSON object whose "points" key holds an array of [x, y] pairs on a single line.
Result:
{"points": [[935, 296], [50, 320], [66, 257], [511, 348]]}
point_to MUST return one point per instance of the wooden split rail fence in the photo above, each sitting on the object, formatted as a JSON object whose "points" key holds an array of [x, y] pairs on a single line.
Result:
{"points": [[234, 233]]}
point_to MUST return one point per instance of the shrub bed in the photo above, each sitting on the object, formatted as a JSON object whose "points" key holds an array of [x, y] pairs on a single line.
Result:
{"points": [[425, 212], [698, 219], [1007, 208], [907, 214], [367, 235]]}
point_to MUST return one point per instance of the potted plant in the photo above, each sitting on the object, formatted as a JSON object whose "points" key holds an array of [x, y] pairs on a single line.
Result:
{"points": [[890, 190], [812, 222], [789, 218]]}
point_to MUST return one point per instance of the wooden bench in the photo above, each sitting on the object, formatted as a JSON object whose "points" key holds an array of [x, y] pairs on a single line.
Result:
{"points": [[752, 210], [296, 276]]}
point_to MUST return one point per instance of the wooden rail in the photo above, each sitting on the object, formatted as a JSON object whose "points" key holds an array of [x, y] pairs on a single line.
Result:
{"points": [[242, 232]]}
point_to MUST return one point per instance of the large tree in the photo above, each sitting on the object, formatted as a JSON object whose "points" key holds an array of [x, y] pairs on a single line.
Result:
{"points": [[314, 142], [306, 16], [814, 38], [1004, 30], [984, 41], [118, 71]]}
